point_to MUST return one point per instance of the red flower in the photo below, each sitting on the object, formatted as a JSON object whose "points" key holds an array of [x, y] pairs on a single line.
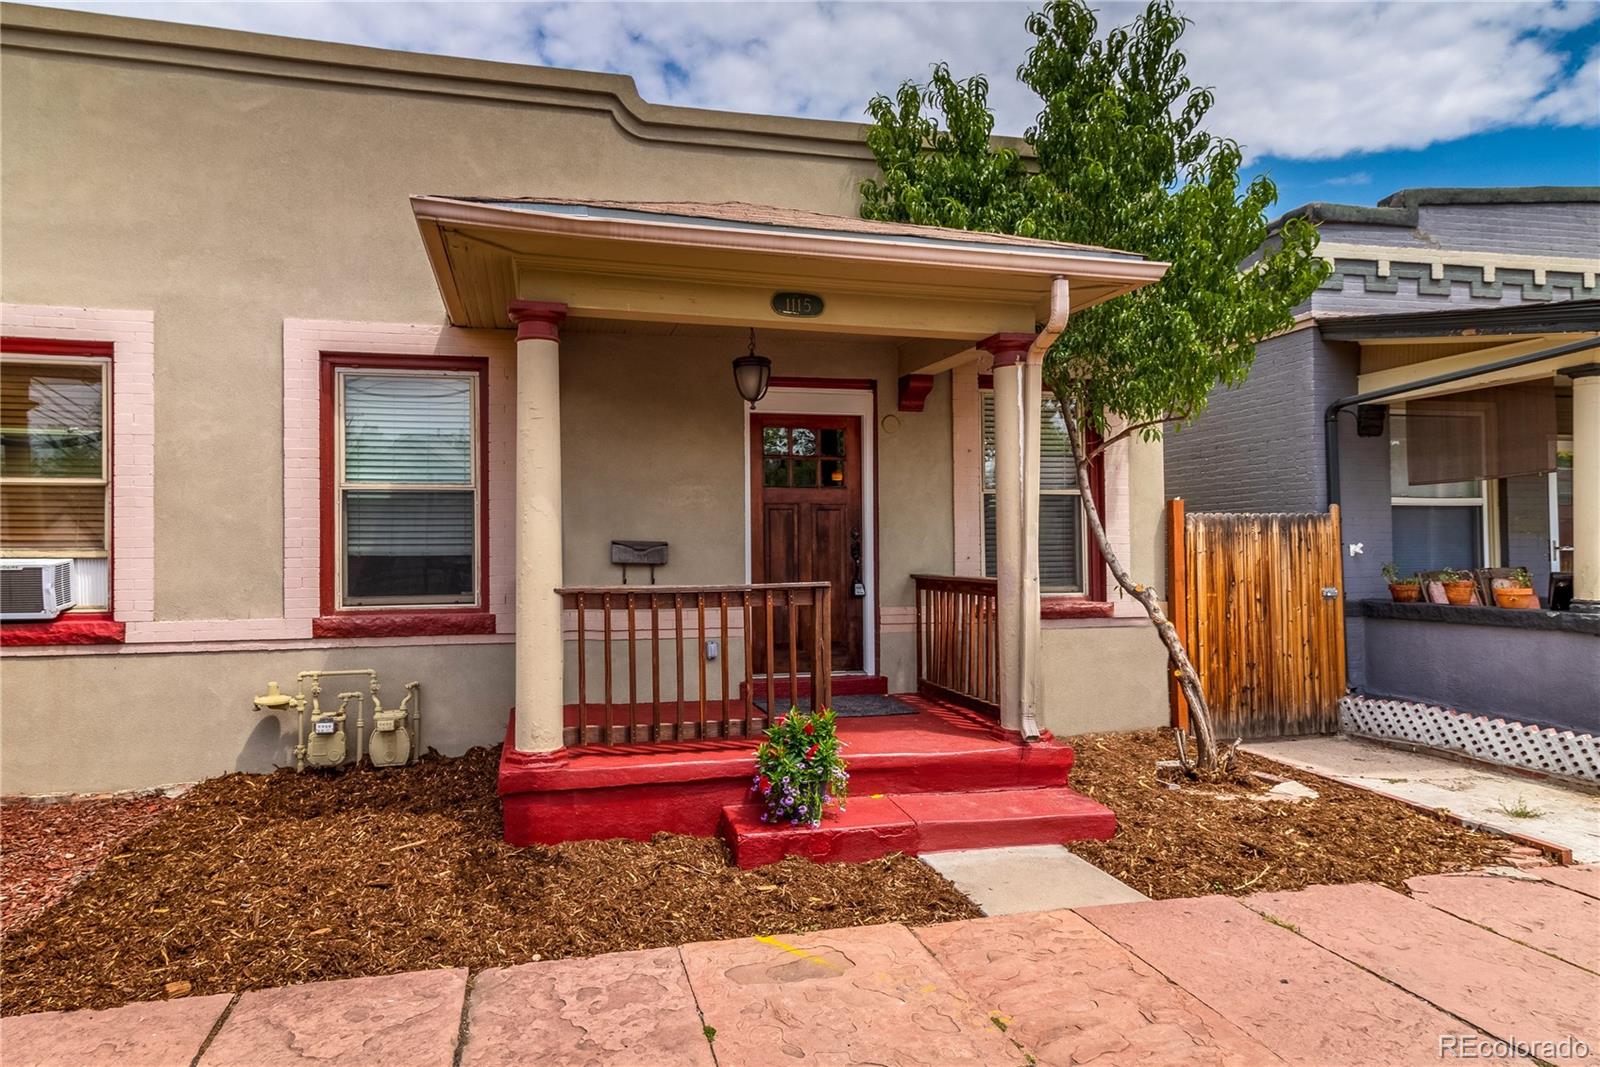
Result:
{"points": [[766, 784], [781, 718], [811, 753], [811, 728]]}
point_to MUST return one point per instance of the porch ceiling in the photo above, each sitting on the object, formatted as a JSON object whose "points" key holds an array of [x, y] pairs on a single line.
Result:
{"points": [[720, 264]]}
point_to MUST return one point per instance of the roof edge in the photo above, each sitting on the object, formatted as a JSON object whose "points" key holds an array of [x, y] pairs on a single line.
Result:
{"points": [[59, 30], [1560, 316], [1401, 208]]}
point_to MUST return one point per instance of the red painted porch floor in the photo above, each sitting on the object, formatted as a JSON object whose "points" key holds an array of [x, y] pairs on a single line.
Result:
{"points": [[1329, 975], [942, 778]]}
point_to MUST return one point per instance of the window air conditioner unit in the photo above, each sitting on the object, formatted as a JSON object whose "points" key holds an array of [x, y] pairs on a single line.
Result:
{"points": [[35, 589]]}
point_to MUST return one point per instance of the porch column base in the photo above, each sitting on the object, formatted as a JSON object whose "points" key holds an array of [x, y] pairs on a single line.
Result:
{"points": [[541, 652]]}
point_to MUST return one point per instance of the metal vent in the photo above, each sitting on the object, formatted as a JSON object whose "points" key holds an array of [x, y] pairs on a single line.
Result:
{"points": [[63, 581], [21, 591]]}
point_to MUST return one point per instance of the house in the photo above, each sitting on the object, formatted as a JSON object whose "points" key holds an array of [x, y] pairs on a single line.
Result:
{"points": [[1442, 387], [422, 365]]}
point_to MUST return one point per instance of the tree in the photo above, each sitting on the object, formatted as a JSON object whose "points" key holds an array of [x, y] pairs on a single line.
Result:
{"points": [[1117, 157]]}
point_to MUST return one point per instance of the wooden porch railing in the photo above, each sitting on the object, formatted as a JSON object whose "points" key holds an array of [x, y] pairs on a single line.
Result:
{"points": [[958, 641], [702, 701]]}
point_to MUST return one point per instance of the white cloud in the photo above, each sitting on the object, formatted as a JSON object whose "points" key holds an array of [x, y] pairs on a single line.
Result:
{"points": [[1298, 80]]}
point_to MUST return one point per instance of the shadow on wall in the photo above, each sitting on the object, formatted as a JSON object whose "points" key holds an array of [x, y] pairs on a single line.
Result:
{"points": [[268, 745]]}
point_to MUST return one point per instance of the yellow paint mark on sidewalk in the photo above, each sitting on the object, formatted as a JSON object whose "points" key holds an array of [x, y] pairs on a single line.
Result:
{"points": [[800, 952]]}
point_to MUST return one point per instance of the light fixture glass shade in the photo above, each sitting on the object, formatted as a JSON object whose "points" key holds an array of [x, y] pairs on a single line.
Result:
{"points": [[751, 373]]}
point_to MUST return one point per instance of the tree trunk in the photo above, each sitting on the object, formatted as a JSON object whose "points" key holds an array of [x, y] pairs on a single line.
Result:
{"points": [[1205, 760]]}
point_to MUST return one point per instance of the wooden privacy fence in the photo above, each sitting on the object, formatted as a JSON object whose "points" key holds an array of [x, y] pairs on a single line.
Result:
{"points": [[691, 696], [958, 641], [1259, 603]]}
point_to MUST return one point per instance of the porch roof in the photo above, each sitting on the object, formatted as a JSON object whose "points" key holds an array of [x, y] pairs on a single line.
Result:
{"points": [[720, 263]]}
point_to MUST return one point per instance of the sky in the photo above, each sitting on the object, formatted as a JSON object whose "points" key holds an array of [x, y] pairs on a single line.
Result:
{"points": [[1338, 101]]}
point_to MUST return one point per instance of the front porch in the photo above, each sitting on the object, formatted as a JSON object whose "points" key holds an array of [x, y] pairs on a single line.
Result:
{"points": [[822, 541]]}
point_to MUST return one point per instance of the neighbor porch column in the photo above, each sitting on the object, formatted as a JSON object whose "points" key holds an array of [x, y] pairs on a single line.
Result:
{"points": [[1585, 487], [540, 660], [1016, 483]]}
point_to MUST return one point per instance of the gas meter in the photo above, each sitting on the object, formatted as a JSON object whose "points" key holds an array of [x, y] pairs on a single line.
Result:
{"points": [[321, 733]]}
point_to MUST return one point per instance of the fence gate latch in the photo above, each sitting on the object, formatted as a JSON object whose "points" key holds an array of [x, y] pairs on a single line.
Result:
{"points": [[1329, 592]]}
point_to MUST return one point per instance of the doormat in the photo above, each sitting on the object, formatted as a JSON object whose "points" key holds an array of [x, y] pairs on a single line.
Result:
{"points": [[861, 706]]}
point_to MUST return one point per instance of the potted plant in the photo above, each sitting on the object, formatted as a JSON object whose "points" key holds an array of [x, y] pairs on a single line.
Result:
{"points": [[1517, 590], [799, 770], [1458, 585], [1405, 590]]}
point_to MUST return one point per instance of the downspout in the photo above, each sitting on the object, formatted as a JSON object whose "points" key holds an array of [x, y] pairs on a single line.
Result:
{"points": [[1031, 397], [1330, 417]]}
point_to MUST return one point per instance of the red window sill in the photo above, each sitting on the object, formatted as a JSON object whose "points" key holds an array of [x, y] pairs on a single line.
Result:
{"points": [[404, 624], [68, 630], [1064, 607]]}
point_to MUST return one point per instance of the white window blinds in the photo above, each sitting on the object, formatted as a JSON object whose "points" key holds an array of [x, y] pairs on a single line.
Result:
{"points": [[409, 487], [1060, 526]]}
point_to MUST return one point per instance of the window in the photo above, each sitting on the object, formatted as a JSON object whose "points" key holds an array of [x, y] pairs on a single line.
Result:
{"points": [[1434, 526], [54, 467], [408, 487], [1061, 528]]}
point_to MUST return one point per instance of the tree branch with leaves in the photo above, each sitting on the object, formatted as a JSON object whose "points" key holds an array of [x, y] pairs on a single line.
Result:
{"points": [[1119, 156]]}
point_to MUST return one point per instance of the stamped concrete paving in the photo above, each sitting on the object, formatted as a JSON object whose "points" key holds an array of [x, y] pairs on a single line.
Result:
{"points": [[1339, 975]]}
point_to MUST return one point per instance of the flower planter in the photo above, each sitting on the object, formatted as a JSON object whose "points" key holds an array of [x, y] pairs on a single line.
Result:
{"points": [[1459, 592], [1521, 597], [1405, 592]]}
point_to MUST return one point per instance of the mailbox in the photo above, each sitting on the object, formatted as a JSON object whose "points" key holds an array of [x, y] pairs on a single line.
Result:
{"points": [[650, 554]]}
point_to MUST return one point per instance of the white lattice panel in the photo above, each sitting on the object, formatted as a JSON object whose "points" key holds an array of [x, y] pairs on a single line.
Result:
{"points": [[1515, 744]]}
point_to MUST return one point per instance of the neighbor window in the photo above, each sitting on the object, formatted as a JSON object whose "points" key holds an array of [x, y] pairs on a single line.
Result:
{"points": [[1061, 527], [408, 487], [54, 467], [1434, 526]]}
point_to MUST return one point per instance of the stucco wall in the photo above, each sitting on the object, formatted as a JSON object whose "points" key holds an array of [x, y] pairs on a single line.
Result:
{"points": [[126, 720], [227, 203], [1103, 677]]}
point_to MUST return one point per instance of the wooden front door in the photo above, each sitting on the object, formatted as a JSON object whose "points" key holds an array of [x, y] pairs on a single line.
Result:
{"points": [[805, 473]]}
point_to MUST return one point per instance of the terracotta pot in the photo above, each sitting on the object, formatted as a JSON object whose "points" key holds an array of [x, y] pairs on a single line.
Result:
{"points": [[1405, 592], [1516, 597], [1459, 592]]}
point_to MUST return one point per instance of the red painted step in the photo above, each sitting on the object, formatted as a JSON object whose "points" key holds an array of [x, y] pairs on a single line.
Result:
{"points": [[914, 823], [843, 685]]}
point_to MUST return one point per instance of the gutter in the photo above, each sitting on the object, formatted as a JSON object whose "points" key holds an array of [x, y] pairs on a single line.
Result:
{"points": [[1330, 417]]}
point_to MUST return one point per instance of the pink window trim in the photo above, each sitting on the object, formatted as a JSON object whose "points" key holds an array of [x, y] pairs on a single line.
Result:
{"points": [[131, 335]]}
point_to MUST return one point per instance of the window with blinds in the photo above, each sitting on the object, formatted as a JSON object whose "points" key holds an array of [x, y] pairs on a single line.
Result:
{"points": [[408, 487], [54, 472], [1060, 520]]}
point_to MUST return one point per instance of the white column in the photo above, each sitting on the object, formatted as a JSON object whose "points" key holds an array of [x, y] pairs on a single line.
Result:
{"points": [[540, 682], [1585, 487], [1016, 433]]}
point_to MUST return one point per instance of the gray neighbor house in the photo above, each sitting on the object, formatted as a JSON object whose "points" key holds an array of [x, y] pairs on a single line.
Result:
{"points": [[1439, 387]]}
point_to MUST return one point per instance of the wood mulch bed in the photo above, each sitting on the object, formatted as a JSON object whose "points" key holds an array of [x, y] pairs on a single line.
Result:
{"points": [[251, 881], [1213, 838], [45, 848]]}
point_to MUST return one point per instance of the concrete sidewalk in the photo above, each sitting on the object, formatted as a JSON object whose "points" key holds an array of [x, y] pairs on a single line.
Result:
{"points": [[1559, 814], [1471, 966]]}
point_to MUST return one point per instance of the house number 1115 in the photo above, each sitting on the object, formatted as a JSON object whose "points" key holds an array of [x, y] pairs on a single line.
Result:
{"points": [[797, 305]]}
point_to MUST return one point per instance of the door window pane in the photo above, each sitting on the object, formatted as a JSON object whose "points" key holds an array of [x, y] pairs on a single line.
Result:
{"points": [[776, 472]]}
